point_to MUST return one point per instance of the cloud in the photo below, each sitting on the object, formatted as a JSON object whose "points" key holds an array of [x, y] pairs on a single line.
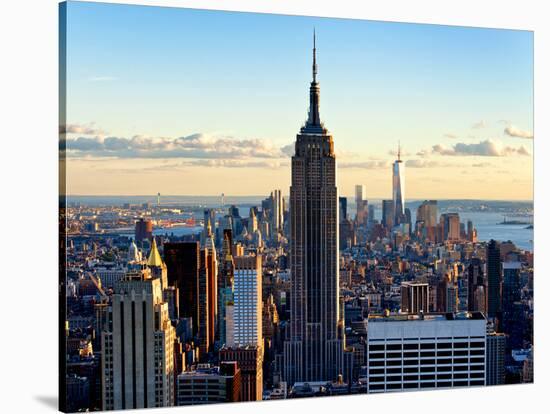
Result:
{"points": [[83, 129], [423, 153], [426, 164], [272, 164], [479, 125], [288, 150], [452, 136], [191, 146], [512, 131], [487, 148], [366, 165]]}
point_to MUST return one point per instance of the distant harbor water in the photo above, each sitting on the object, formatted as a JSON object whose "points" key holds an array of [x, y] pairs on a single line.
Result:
{"points": [[488, 223], [488, 227]]}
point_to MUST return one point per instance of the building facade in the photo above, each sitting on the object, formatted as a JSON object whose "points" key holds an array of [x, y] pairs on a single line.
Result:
{"points": [[138, 346], [314, 350], [408, 352], [246, 315]]}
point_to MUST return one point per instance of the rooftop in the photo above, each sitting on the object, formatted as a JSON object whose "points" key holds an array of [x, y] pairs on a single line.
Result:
{"points": [[394, 317]]}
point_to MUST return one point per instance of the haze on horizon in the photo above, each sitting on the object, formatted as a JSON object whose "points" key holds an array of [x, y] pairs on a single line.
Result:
{"points": [[158, 101]]}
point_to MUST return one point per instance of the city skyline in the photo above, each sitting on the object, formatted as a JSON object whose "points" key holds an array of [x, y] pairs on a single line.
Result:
{"points": [[463, 114]]}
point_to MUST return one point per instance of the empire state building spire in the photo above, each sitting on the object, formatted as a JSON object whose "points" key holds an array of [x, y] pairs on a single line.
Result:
{"points": [[313, 123], [314, 59]]}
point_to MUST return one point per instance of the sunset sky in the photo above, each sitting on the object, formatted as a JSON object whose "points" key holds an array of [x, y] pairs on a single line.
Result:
{"points": [[190, 102]]}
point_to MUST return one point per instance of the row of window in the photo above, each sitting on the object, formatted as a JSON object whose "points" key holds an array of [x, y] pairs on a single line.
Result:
{"points": [[426, 377], [426, 354], [445, 384], [441, 364], [427, 345]]}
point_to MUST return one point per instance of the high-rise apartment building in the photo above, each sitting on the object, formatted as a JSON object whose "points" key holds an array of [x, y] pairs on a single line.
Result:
{"points": [[314, 350], [247, 303]]}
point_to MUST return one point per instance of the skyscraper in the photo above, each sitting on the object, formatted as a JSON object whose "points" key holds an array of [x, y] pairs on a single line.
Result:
{"points": [[277, 212], [314, 351], [494, 280], [138, 344], [225, 285], [144, 230], [494, 364], [247, 309], [427, 212], [212, 269], [343, 213], [157, 266], [183, 265], [387, 213], [398, 187], [476, 286], [450, 223], [361, 204]]}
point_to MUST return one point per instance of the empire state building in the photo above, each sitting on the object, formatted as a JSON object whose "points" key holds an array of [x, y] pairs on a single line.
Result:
{"points": [[314, 351]]}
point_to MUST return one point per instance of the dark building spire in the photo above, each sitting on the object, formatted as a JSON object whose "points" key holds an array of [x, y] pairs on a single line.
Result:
{"points": [[314, 59], [398, 151], [314, 119]]}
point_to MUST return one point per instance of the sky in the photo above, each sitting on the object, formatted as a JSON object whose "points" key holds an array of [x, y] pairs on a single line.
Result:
{"points": [[196, 102]]}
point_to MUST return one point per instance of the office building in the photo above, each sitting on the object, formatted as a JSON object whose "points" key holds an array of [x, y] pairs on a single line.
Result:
{"points": [[209, 385], [250, 361], [361, 205], [314, 350], [387, 213], [398, 189], [277, 213], [212, 274], [495, 368], [414, 297], [412, 352], [157, 266], [476, 286], [450, 223], [137, 363], [494, 280], [225, 283], [143, 231], [183, 265]]}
